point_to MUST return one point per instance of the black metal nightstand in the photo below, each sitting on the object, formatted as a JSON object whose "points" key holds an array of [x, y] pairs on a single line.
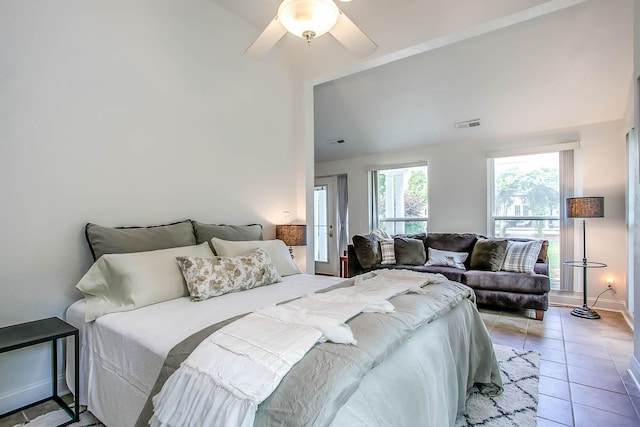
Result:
{"points": [[40, 331]]}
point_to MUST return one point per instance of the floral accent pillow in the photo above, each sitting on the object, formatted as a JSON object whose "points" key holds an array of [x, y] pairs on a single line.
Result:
{"points": [[212, 277]]}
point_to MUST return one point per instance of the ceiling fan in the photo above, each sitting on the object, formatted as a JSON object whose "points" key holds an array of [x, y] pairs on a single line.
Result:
{"points": [[309, 19]]}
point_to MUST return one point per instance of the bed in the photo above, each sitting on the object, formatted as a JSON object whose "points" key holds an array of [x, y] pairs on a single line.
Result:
{"points": [[423, 380]]}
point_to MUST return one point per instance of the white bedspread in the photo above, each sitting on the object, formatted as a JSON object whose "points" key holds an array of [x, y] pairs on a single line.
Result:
{"points": [[240, 365]]}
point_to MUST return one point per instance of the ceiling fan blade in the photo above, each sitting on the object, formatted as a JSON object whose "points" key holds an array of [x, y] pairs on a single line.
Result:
{"points": [[352, 37], [267, 39]]}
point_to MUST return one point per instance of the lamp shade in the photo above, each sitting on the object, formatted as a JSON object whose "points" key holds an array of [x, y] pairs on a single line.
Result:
{"points": [[292, 235], [585, 207], [308, 18]]}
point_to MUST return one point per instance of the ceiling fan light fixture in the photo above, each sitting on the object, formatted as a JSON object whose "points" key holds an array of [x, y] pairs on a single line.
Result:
{"points": [[308, 18]]}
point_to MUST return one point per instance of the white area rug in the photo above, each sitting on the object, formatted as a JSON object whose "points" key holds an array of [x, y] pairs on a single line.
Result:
{"points": [[518, 403], [516, 406]]}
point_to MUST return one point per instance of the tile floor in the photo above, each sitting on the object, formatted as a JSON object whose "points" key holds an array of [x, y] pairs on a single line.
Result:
{"points": [[583, 367]]}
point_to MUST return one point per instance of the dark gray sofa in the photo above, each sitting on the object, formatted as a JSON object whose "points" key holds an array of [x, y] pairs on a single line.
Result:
{"points": [[502, 289]]}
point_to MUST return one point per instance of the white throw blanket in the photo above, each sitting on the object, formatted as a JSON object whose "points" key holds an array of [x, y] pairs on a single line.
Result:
{"points": [[236, 368]]}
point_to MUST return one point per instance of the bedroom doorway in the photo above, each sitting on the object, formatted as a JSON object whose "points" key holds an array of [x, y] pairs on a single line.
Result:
{"points": [[325, 219]]}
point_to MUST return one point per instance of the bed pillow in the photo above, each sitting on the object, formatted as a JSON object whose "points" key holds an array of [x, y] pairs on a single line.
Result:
{"points": [[206, 232], [124, 240], [276, 249], [521, 257], [212, 277], [447, 258], [409, 251], [124, 282], [488, 254], [388, 252]]}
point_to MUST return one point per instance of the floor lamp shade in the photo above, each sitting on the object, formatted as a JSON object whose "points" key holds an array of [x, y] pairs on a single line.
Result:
{"points": [[585, 207]]}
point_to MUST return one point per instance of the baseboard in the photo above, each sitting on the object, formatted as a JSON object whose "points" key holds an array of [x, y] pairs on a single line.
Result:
{"points": [[634, 371], [575, 300], [31, 393]]}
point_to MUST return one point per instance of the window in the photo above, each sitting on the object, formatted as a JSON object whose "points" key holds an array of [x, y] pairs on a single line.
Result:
{"points": [[526, 195], [399, 199], [526, 201]]}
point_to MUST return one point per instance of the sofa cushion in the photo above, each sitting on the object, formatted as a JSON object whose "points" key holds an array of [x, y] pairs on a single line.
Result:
{"points": [[542, 255], [488, 254], [506, 281], [367, 249], [521, 257], [447, 258], [409, 251], [455, 242], [388, 251], [450, 273]]}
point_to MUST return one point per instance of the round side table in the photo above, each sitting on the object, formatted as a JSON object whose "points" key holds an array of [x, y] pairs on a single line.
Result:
{"points": [[584, 311]]}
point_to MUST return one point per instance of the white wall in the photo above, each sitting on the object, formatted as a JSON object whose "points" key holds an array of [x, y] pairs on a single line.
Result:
{"points": [[128, 113], [458, 189]]}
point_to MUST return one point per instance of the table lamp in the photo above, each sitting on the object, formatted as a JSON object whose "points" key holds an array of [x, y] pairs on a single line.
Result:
{"points": [[292, 235]]}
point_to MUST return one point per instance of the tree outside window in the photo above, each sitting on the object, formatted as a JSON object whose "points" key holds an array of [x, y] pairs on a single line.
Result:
{"points": [[401, 200]]}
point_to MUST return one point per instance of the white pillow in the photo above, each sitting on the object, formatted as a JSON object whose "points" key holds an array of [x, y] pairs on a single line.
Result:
{"points": [[521, 257], [124, 282], [276, 249], [211, 277], [447, 258]]}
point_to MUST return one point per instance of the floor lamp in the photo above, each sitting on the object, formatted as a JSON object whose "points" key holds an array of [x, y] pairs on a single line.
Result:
{"points": [[585, 207]]}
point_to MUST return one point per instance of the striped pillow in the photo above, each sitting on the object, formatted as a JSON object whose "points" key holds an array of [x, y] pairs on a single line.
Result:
{"points": [[521, 257], [388, 251]]}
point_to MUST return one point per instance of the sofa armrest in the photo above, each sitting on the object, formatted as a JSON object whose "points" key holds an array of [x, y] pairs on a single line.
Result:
{"points": [[354, 267], [542, 267]]}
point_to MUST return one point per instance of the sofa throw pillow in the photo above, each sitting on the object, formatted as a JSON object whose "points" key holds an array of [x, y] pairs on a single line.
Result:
{"points": [[211, 277], [521, 257], [409, 251], [123, 282], [367, 249], [277, 250], [388, 253], [488, 254], [447, 258]]}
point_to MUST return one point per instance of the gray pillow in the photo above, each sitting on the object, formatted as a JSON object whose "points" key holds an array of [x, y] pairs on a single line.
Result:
{"points": [[124, 240], [488, 254], [367, 250], [236, 233], [409, 251]]}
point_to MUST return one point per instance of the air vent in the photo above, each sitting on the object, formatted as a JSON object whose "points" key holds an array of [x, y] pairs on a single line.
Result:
{"points": [[336, 141], [468, 124]]}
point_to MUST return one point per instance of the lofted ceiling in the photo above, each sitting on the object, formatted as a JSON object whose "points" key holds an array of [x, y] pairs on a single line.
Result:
{"points": [[520, 66]]}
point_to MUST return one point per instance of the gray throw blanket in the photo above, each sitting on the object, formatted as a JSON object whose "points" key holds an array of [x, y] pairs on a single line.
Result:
{"points": [[319, 384]]}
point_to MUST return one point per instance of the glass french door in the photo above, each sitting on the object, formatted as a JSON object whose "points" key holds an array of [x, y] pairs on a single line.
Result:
{"points": [[325, 219]]}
